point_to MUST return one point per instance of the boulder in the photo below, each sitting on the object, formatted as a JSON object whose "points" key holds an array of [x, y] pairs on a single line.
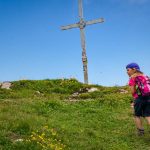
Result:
{"points": [[92, 90], [122, 91], [6, 85]]}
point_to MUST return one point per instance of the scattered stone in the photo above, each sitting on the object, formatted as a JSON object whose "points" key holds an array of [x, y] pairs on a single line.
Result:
{"points": [[122, 91], [81, 91], [14, 137], [75, 94], [37, 92], [84, 90], [6, 85], [18, 140], [92, 90]]}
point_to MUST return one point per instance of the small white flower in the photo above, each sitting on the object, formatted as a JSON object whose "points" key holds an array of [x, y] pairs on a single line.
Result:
{"points": [[19, 140]]}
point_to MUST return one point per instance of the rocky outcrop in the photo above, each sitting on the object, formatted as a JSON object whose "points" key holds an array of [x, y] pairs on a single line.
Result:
{"points": [[5, 85]]}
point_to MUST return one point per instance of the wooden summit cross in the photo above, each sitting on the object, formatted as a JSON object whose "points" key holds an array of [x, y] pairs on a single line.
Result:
{"points": [[81, 24]]}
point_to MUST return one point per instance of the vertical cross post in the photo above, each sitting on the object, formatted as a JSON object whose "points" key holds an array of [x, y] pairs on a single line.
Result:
{"points": [[82, 24]]}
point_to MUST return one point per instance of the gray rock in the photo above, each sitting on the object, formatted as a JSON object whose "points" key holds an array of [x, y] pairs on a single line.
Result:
{"points": [[122, 91], [6, 85], [92, 90]]}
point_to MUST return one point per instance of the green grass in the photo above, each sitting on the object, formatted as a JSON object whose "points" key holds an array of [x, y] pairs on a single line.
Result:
{"points": [[101, 120]]}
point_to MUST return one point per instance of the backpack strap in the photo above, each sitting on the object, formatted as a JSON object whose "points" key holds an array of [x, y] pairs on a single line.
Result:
{"points": [[137, 85]]}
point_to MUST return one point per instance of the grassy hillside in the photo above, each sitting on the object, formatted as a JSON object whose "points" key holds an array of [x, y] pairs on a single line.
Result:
{"points": [[61, 114]]}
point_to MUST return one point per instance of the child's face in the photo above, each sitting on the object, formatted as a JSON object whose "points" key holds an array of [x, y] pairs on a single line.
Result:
{"points": [[130, 71]]}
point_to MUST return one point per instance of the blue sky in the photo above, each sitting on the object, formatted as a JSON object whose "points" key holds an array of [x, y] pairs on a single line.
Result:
{"points": [[32, 46]]}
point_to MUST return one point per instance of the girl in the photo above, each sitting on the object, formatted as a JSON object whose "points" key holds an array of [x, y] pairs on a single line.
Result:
{"points": [[141, 102]]}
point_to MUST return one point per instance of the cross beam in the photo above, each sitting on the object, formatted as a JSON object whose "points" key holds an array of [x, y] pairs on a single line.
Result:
{"points": [[81, 25]]}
